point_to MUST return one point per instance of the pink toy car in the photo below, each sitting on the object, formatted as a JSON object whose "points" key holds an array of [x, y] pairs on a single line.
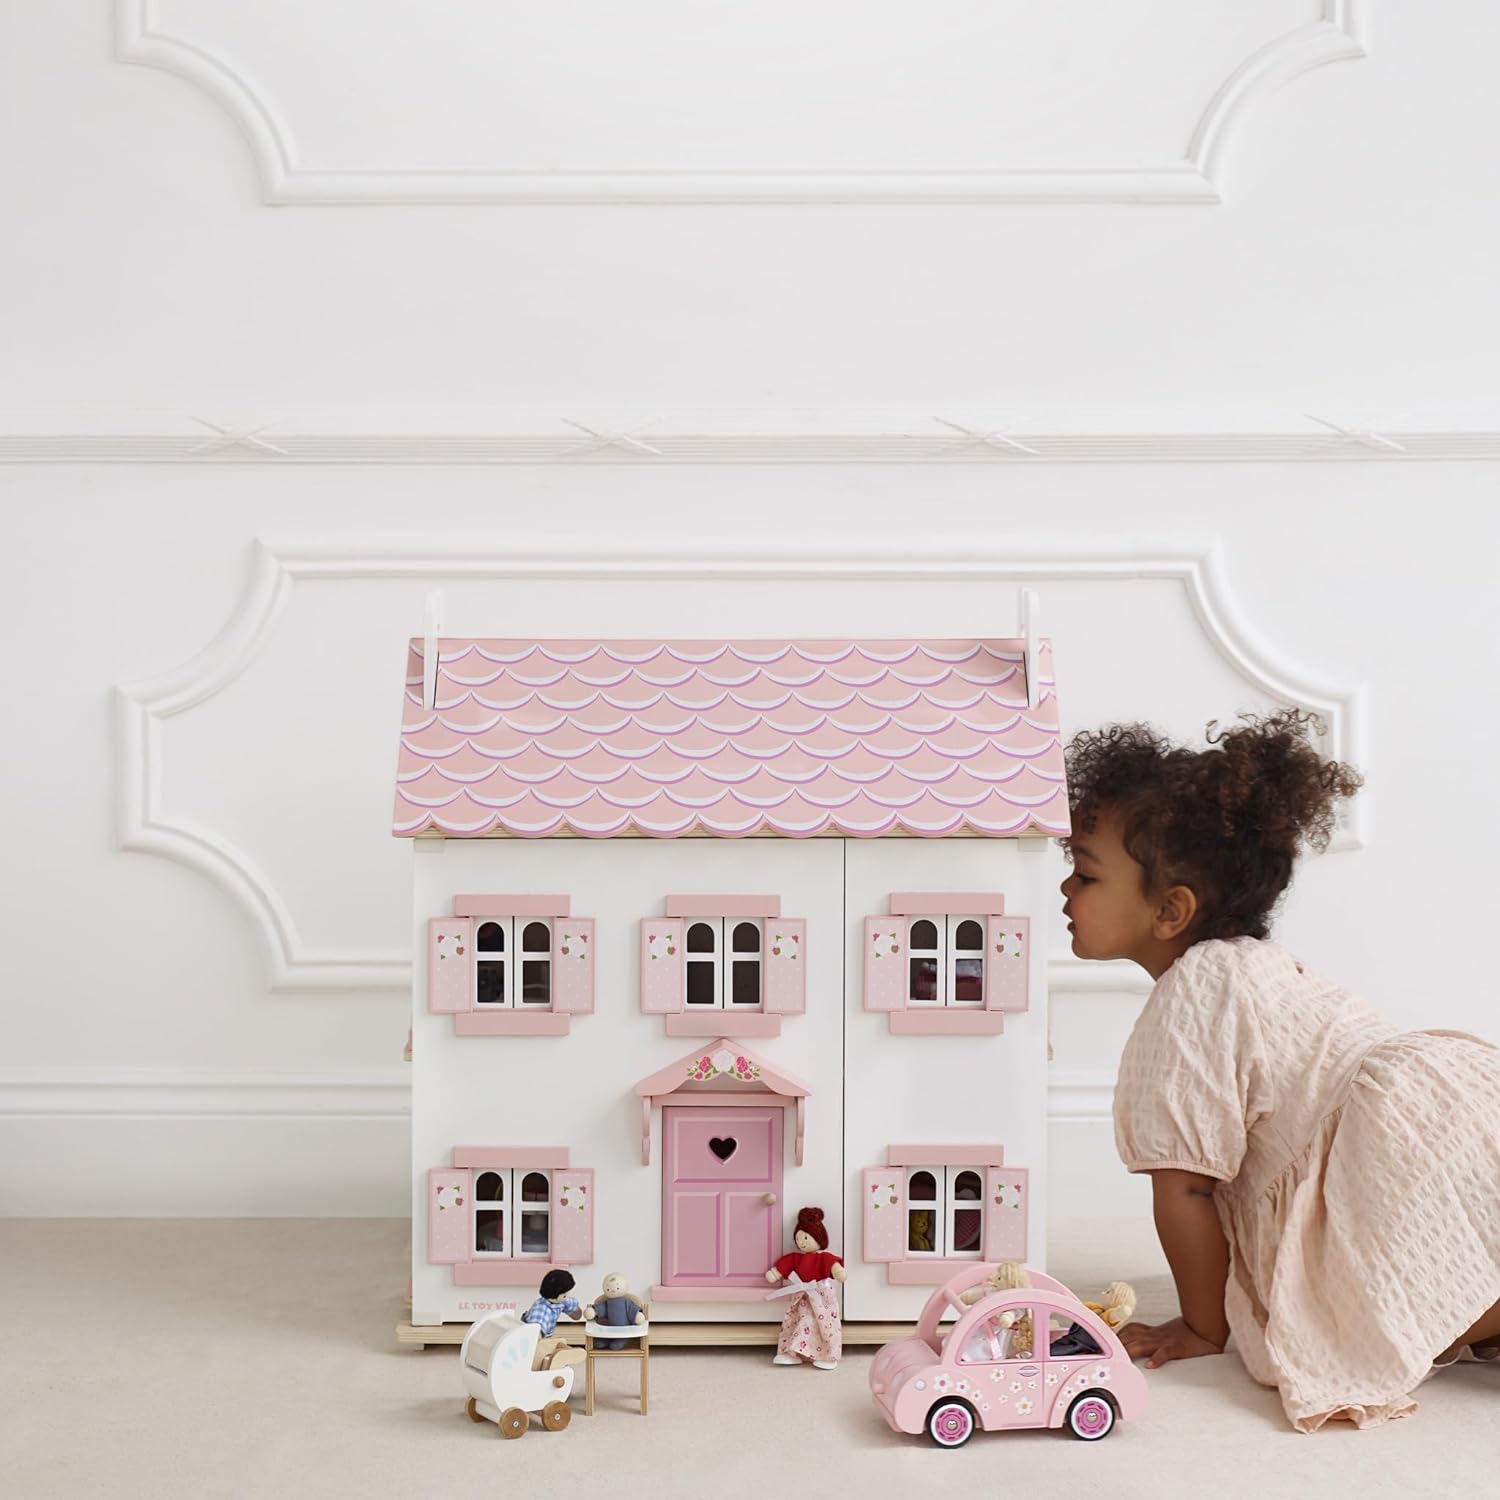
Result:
{"points": [[1033, 1357]]}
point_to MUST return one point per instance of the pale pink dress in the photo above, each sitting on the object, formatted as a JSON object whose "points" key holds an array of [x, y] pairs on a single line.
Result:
{"points": [[1358, 1167]]}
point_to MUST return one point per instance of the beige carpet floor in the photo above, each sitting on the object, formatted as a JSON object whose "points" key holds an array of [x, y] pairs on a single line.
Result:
{"points": [[200, 1358]]}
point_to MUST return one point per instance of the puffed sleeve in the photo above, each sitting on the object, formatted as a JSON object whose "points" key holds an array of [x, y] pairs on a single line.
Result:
{"points": [[1190, 1073]]}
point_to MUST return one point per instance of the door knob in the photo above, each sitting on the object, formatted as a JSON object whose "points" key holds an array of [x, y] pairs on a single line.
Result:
{"points": [[768, 1199]]}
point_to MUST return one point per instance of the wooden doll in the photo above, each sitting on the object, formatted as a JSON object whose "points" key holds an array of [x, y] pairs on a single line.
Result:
{"points": [[812, 1328]]}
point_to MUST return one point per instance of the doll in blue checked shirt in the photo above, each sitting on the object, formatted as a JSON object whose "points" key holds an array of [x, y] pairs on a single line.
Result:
{"points": [[544, 1312]]}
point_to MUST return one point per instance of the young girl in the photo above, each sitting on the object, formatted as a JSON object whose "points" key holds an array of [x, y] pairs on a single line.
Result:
{"points": [[1326, 1188]]}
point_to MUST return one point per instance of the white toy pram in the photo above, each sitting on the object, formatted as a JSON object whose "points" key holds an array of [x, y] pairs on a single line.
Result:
{"points": [[496, 1364]]}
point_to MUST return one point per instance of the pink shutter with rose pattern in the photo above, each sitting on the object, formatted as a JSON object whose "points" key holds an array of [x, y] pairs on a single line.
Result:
{"points": [[450, 1212], [885, 963], [450, 964], [573, 965], [785, 992], [661, 965], [1005, 1213], [572, 1216], [885, 1213], [1007, 963]]}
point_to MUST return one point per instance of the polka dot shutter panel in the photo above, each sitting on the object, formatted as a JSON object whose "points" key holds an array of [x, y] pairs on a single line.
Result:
{"points": [[786, 966], [661, 965], [1005, 1213], [885, 963], [450, 965], [449, 1214], [1007, 963], [885, 1213], [573, 1216], [573, 960]]}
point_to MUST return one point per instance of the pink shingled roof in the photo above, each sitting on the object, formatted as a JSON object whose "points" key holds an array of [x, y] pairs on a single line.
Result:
{"points": [[531, 738]]}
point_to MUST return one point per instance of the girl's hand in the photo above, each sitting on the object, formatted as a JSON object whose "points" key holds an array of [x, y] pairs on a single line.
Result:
{"points": [[1161, 1342]]}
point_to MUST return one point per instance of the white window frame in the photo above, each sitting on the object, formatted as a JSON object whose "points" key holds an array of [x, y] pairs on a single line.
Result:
{"points": [[936, 1205], [945, 1208], [512, 929], [511, 1207], [946, 957], [723, 959]]}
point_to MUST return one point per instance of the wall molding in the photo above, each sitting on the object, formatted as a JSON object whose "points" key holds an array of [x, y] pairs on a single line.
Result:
{"points": [[202, 1094], [727, 435], [377, 1094], [1339, 34], [142, 707]]}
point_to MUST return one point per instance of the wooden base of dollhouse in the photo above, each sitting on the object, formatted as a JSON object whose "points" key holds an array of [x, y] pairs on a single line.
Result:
{"points": [[722, 1335]]}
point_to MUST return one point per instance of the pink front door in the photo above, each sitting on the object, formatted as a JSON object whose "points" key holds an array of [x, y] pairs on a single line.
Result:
{"points": [[718, 1167]]}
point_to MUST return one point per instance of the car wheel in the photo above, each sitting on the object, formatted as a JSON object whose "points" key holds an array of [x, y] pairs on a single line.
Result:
{"points": [[950, 1424], [1091, 1416]]}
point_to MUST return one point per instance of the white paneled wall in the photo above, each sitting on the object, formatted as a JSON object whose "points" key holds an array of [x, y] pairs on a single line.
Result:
{"points": [[742, 319]]}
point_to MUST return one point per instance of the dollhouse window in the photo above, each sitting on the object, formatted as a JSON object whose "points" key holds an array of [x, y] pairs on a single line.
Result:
{"points": [[744, 964], [511, 1202], [536, 1213], [944, 1212], [922, 1194], [703, 963], [490, 951], [925, 963], [505, 980], [536, 973], [966, 1214], [723, 975], [489, 1214], [945, 961]]}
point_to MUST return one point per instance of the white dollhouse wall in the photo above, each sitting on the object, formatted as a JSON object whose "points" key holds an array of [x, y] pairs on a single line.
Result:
{"points": [[868, 1088], [940, 1090], [578, 1090]]}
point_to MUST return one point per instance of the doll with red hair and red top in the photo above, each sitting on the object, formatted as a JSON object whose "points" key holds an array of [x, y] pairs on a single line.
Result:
{"points": [[811, 1328]]}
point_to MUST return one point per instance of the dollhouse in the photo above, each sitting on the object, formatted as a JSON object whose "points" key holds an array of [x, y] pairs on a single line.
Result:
{"points": [[706, 931]]}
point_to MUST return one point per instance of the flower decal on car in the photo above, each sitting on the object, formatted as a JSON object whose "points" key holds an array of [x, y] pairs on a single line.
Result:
{"points": [[1023, 1406]]}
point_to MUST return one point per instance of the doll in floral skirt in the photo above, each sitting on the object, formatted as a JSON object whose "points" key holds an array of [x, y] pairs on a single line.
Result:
{"points": [[812, 1328]]}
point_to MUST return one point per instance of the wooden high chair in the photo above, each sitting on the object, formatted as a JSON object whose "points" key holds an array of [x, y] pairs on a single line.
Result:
{"points": [[640, 1333]]}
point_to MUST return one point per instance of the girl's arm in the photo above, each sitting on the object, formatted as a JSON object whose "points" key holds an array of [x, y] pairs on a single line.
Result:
{"points": [[1187, 1223]]}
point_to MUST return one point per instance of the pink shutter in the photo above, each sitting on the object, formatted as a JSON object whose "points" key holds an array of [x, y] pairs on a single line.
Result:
{"points": [[885, 963], [885, 1213], [450, 1212], [573, 965], [450, 964], [1005, 1213], [661, 965], [572, 1216], [785, 992], [1007, 962]]}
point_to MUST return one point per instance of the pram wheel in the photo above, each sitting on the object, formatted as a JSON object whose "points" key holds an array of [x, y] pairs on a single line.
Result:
{"points": [[471, 1410], [513, 1422], [556, 1415]]}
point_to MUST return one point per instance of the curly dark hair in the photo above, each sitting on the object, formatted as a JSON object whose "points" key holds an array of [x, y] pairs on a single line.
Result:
{"points": [[1227, 822]]}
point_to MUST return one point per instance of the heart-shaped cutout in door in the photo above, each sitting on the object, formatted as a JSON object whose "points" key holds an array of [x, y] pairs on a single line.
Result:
{"points": [[723, 1146]]}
